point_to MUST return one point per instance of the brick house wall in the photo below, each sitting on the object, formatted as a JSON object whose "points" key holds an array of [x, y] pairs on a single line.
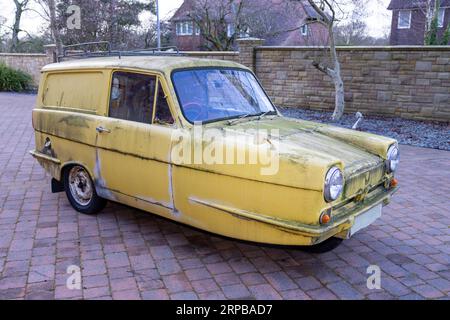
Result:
{"points": [[187, 42], [414, 35]]}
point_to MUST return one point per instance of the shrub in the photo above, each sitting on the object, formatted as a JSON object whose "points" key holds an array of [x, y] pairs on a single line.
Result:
{"points": [[13, 80]]}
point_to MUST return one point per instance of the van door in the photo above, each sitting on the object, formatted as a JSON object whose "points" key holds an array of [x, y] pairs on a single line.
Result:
{"points": [[132, 157]]}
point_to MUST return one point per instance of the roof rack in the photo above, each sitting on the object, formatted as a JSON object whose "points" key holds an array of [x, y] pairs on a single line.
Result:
{"points": [[82, 51]]}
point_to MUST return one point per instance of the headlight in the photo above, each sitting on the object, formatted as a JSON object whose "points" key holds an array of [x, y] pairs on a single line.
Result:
{"points": [[334, 184], [393, 158]]}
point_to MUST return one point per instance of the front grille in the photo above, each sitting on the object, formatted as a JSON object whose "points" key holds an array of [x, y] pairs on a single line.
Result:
{"points": [[363, 180]]}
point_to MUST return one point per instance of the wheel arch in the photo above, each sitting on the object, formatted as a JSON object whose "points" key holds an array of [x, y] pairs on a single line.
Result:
{"points": [[70, 164]]}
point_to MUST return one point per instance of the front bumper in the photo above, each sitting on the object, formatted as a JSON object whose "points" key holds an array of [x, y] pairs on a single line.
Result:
{"points": [[343, 217]]}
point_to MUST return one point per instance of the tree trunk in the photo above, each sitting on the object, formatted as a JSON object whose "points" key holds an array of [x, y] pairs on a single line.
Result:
{"points": [[337, 79], [16, 27], [54, 27], [339, 99]]}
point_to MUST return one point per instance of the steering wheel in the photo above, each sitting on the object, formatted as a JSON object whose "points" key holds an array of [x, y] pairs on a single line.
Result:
{"points": [[193, 111]]}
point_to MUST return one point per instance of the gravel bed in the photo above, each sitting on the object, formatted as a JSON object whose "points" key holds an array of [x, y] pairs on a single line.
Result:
{"points": [[427, 134]]}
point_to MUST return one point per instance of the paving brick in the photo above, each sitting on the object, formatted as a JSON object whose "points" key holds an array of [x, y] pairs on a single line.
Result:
{"points": [[184, 296], [428, 291], [126, 295], [321, 294], [344, 291], [236, 291], [90, 282], [114, 260], [197, 274], [158, 294], [205, 285], [308, 283], [280, 281], [177, 283], [264, 292], [94, 293], [168, 266]]}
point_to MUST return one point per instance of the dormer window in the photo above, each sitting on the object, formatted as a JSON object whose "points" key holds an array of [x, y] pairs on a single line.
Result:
{"points": [[404, 19]]}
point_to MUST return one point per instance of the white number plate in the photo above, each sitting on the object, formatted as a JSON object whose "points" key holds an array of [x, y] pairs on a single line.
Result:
{"points": [[365, 219]]}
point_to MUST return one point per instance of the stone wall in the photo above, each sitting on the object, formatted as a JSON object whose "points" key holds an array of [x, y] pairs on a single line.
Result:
{"points": [[30, 63], [409, 82]]}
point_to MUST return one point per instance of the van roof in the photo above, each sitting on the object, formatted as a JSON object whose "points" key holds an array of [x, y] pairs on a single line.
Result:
{"points": [[164, 64]]}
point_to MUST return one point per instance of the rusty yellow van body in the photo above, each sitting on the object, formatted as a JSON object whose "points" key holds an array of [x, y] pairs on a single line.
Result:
{"points": [[130, 162]]}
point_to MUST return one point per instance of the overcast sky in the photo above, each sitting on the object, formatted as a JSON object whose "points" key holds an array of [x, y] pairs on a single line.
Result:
{"points": [[378, 20]]}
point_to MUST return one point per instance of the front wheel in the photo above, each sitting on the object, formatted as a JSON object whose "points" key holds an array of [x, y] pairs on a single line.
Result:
{"points": [[325, 246], [80, 191]]}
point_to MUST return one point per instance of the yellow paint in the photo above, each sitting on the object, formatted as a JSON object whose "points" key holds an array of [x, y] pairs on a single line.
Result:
{"points": [[132, 163]]}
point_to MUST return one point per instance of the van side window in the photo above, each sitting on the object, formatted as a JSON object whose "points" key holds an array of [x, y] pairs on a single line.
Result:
{"points": [[162, 113], [132, 96]]}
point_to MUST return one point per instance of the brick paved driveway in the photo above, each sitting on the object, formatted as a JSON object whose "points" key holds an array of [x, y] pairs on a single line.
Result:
{"points": [[126, 253]]}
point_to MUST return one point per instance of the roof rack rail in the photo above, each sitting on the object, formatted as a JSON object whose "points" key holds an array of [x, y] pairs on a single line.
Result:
{"points": [[81, 51]]}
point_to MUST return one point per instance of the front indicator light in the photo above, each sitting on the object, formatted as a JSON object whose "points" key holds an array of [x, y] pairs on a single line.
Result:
{"points": [[394, 183], [325, 217]]}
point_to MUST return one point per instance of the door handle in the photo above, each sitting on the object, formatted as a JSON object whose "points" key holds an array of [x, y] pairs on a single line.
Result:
{"points": [[101, 130]]}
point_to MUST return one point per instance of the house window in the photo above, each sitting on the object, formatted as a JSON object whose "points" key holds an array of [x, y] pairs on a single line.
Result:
{"points": [[184, 28], [304, 30], [441, 16], [404, 19], [230, 30], [196, 30]]}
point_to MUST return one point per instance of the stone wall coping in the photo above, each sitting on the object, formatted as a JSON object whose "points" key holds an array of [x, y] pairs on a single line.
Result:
{"points": [[355, 48], [249, 39], [5, 54], [211, 53]]}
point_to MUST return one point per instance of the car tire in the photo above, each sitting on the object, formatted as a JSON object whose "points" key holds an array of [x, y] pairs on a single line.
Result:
{"points": [[80, 191], [325, 246]]}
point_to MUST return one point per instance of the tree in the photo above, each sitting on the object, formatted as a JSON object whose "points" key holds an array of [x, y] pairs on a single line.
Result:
{"points": [[327, 10], [116, 21], [272, 20], [352, 33], [352, 29], [220, 22], [21, 7], [3, 34], [50, 15]]}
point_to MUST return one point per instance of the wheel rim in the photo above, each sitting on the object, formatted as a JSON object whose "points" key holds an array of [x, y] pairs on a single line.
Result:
{"points": [[80, 186]]}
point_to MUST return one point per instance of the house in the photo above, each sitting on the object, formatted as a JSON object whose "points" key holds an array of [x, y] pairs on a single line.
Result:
{"points": [[409, 19], [279, 22]]}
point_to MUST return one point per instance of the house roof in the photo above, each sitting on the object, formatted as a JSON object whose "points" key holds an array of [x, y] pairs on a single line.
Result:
{"points": [[183, 11], [412, 4]]}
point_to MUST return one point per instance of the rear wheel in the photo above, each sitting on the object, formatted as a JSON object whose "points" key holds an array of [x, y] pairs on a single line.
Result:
{"points": [[325, 246], [80, 191]]}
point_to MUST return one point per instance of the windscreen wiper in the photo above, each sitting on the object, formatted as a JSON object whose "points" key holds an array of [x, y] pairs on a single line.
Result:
{"points": [[233, 121], [262, 115]]}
